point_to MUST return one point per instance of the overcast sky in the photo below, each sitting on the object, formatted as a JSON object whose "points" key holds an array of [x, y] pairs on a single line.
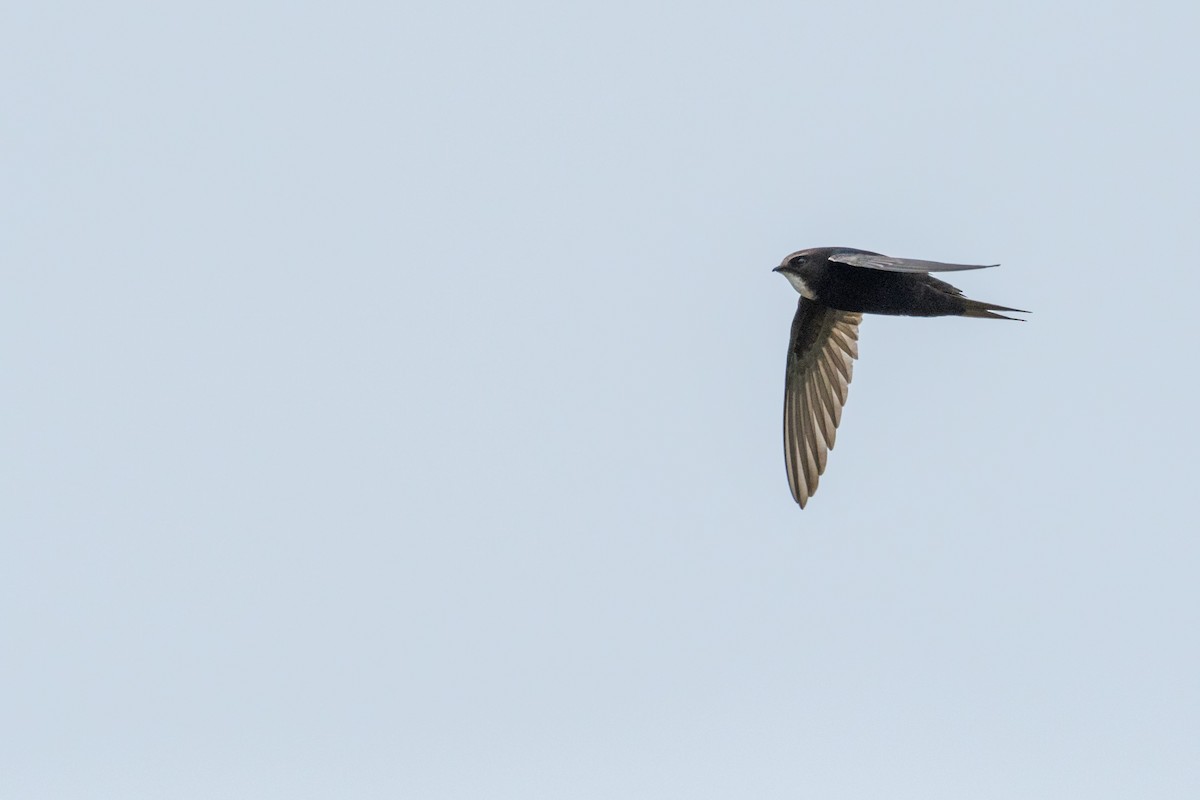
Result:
{"points": [[392, 402]]}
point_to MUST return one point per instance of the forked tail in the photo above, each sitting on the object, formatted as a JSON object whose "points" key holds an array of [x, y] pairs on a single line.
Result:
{"points": [[984, 310]]}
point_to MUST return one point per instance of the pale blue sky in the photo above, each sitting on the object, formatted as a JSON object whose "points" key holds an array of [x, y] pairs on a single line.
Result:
{"points": [[392, 395]]}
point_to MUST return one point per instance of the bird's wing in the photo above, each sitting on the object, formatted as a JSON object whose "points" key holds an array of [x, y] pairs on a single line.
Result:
{"points": [[889, 264], [819, 365]]}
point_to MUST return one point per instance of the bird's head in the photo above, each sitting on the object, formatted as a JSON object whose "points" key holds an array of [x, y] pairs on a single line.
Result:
{"points": [[794, 261], [802, 267], [813, 256], [793, 268]]}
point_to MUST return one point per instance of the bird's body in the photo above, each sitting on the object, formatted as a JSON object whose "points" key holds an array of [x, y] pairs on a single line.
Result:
{"points": [[871, 291], [837, 285]]}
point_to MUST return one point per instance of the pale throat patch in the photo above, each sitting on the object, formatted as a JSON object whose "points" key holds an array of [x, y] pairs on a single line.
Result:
{"points": [[799, 285]]}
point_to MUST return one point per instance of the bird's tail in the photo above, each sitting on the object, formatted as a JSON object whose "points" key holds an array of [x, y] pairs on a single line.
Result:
{"points": [[984, 310]]}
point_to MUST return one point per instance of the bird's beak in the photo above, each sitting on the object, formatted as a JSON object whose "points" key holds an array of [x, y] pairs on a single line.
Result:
{"points": [[777, 269]]}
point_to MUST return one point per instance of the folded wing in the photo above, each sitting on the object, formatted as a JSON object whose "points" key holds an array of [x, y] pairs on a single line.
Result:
{"points": [[889, 264]]}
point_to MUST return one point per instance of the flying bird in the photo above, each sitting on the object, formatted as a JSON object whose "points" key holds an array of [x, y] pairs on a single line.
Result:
{"points": [[837, 285]]}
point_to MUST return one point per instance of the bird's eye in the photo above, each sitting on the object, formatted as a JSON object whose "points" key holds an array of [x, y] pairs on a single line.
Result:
{"points": [[797, 261]]}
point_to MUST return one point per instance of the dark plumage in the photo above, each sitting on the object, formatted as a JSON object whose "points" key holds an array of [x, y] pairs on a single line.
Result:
{"points": [[837, 285]]}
